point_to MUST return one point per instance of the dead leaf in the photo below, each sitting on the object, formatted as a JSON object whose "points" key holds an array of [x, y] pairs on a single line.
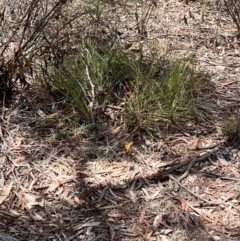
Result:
{"points": [[218, 129], [115, 215], [64, 179], [220, 68], [20, 198], [20, 158], [148, 236], [77, 200], [29, 198], [69, 201], [2, 182], [185, 219], [163, 237], [116, 130], [8, 119], [148, 143], [128, 144], [142, 214], [166, 231], [194, 143], [131, 195], [223, 161], [157, 221], [57, 181], [29, 201], [54, 185], [14, 213], [201, 212], [6, 190], [37, 217], [53, 115], [184, 205]]}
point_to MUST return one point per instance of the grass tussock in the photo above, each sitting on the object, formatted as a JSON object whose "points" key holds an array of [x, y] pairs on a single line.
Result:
{"points": [[231, 128], [147, 93]]}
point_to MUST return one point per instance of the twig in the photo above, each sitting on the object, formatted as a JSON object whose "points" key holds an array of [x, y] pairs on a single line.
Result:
{"points": [[111, 228], [102, 195], [195, 195], [91, 102], [220, 176], [111, 147], [141, 156], [200, 222], [193, 162]]}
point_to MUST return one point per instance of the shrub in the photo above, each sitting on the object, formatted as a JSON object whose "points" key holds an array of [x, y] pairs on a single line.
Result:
{"points": [[233, 8], [22, 26]]}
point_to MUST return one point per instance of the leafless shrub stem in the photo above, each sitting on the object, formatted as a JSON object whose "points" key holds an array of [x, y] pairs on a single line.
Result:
{"points": [[21, 30], [233, 8]]}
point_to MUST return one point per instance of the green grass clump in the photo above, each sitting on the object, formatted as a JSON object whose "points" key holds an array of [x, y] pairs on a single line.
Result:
{"points": [[231, 128], [77, 76], [151, 90], [171, 95]]}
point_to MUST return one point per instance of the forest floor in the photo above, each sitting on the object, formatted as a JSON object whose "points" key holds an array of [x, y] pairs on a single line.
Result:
{"points": [[77, 182]]}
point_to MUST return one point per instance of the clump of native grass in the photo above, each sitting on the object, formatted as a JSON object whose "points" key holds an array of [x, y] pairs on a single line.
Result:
{"points": [[171, 95], [146, 91], [231, 127]]}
